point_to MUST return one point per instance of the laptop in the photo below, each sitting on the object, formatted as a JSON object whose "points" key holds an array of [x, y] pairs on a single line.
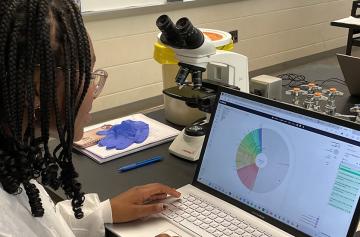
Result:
{"points": [[267, 169], [350, 67]]}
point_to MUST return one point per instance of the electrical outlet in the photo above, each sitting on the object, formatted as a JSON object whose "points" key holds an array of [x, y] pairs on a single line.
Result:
{"points": [[234, 36]]}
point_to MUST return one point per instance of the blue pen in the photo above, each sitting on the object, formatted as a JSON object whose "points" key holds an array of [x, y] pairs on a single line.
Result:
{"points": [[140, 164]]}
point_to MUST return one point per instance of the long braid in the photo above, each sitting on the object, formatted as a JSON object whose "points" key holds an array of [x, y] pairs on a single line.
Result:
{"points": [[31, 40], [47, 84], [45, 64], [74, 53], [31, 33], [29, 72], [85, 53], [80, 44], [27, 45], [13, 64], [69, 75], [68, 173], [8, 170], [5, 26], [17, 64]]}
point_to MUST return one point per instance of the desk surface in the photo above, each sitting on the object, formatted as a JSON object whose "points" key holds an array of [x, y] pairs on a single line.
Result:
{"points": [[107, 182], [348, 22], [176, 172]]}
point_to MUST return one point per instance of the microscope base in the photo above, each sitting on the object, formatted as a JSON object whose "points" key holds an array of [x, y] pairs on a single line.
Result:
{"points": [[187, 147]]}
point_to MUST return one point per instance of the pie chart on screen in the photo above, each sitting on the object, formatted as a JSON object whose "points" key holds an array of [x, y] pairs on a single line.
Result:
{"points": [[262, 160]]}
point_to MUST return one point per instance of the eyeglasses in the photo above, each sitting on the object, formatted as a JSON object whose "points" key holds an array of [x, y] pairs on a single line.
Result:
{"points": [[98, 79]]}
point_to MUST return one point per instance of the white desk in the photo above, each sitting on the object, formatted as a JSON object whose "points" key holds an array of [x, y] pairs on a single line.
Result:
{"points": [[348, 22], [353, 24]]}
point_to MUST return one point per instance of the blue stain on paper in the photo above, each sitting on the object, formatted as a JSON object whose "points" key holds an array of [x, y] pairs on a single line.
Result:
{"points": [[121, 136]]}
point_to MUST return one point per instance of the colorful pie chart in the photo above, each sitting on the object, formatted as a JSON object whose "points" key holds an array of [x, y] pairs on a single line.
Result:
{"points": [[262, 160]]}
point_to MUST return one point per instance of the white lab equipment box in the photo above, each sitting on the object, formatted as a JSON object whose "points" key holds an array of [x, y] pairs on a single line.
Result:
{"points": [[266, 86]]}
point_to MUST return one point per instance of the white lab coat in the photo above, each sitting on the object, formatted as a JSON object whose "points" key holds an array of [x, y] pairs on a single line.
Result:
{"points": [[58, 220]]}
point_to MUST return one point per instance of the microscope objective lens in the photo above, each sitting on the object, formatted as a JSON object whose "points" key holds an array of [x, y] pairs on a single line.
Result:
{"points": [[182, 75], [197, 79]]}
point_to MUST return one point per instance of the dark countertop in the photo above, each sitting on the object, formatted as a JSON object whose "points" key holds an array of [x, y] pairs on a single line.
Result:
{"points": [[107, 182], [176, 172]]}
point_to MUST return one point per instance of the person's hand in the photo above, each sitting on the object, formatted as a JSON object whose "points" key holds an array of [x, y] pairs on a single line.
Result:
{"points": [[140, 202]]}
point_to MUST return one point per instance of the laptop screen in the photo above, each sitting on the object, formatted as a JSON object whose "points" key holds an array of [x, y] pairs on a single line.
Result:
{"points": [[302, 171], [350, 68]]}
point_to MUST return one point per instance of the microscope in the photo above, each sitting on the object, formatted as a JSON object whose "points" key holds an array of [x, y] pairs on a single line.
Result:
{"points": [[196, 55]]}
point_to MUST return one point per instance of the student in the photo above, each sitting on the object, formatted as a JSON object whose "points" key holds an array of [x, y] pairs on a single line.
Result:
{"points": [[47, 89]]}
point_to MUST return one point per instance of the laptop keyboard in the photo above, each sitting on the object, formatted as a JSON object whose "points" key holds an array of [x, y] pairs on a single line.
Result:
{"points": [[205, 219]]}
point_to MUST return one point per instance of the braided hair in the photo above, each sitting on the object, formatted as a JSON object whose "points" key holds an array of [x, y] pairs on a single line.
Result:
{"points": [[41, 35]]}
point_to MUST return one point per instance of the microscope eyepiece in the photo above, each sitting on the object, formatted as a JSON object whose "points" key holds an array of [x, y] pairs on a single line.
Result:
{"points": [[183, 23], [183, 35], [163, 20], [165, 24], [170, 35], [193, 37]]}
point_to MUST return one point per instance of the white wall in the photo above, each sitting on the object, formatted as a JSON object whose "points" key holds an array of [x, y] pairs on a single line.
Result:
{"points": [[270, 32]]}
